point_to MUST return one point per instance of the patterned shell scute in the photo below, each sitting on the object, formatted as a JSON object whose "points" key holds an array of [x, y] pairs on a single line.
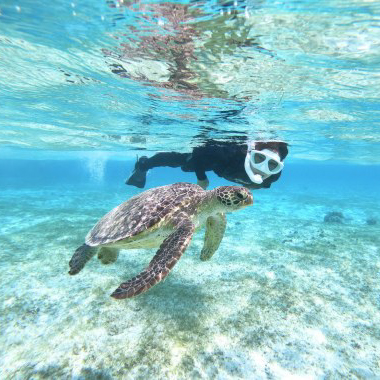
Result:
{"points": [[142, 212]]}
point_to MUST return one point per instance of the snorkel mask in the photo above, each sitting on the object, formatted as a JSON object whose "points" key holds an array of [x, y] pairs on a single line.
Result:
{"points": [[261, 164]]}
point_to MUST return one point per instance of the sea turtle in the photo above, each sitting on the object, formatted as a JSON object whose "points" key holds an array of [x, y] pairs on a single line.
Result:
{"points": [[164, 217]]}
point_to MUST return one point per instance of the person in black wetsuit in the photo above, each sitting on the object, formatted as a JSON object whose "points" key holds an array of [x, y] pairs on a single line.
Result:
{"points": [[256, 164]]}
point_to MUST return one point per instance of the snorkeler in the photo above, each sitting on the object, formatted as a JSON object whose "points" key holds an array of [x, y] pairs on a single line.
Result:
{"points": [[256, 164], [191, 40]]}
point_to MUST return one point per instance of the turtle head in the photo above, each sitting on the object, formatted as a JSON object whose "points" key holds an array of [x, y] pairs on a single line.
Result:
{"points": [[233, 197]]}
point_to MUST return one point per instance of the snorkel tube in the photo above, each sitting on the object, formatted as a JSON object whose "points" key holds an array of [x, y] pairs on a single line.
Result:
{"points": [[255, 178]]}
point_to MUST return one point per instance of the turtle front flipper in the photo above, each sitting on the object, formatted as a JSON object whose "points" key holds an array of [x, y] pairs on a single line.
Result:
{"points": [[80, 258], [215, 227], [166, 257]]}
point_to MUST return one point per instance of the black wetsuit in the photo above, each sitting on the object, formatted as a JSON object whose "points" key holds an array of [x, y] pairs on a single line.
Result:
{"points": [[225, 159]]}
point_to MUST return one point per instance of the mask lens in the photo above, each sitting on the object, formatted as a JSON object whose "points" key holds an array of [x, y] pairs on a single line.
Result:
{"points": [[258, 158], [272, 165]]}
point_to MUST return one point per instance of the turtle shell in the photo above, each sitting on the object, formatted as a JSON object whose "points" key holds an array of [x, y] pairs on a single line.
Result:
{"points": [[141, 213]]}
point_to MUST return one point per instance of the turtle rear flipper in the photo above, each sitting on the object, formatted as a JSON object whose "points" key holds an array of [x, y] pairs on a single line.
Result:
{"points": [[166, 257], [80, 258], [108, 255]]}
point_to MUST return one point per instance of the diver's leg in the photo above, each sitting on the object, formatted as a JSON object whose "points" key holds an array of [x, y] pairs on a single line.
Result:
{"points": [[171, 159], [143, 164]]}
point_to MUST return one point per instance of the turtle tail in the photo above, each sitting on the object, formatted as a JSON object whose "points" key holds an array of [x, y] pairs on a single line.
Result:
{"points": [[80, 258]]}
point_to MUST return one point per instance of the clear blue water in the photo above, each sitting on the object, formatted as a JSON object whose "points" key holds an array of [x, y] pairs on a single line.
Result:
{"points": [[84, 87]]}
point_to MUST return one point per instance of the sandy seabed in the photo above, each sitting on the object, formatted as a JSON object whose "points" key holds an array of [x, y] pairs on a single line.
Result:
{"points": [[287, 295]]}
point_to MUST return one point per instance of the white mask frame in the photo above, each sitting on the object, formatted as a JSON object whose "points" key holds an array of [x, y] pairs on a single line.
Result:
{"points": [[259, 164]]}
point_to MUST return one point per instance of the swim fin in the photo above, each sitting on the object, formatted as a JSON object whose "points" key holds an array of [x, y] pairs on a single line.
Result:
{"points": [[138, 176]]}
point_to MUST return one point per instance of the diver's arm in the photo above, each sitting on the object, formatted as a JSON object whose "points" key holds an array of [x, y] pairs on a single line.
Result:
{"points": [[202, 179]]}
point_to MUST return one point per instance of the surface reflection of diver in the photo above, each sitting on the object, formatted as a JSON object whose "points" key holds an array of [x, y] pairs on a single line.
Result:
{"points": [[191, 42], [255, 165]]}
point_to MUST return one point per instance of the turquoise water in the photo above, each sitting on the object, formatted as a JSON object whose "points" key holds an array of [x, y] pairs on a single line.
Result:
{"points": [[84, 87]]}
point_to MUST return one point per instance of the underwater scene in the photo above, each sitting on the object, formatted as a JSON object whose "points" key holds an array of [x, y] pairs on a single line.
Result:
{"points": [[190, 189]]}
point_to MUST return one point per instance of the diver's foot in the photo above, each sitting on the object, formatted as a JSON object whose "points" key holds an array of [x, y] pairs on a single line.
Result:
{"points": [[138, 176]]}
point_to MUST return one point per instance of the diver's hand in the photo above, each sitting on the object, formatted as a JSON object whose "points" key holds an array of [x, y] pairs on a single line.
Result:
{"points": [[203, 183]]}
